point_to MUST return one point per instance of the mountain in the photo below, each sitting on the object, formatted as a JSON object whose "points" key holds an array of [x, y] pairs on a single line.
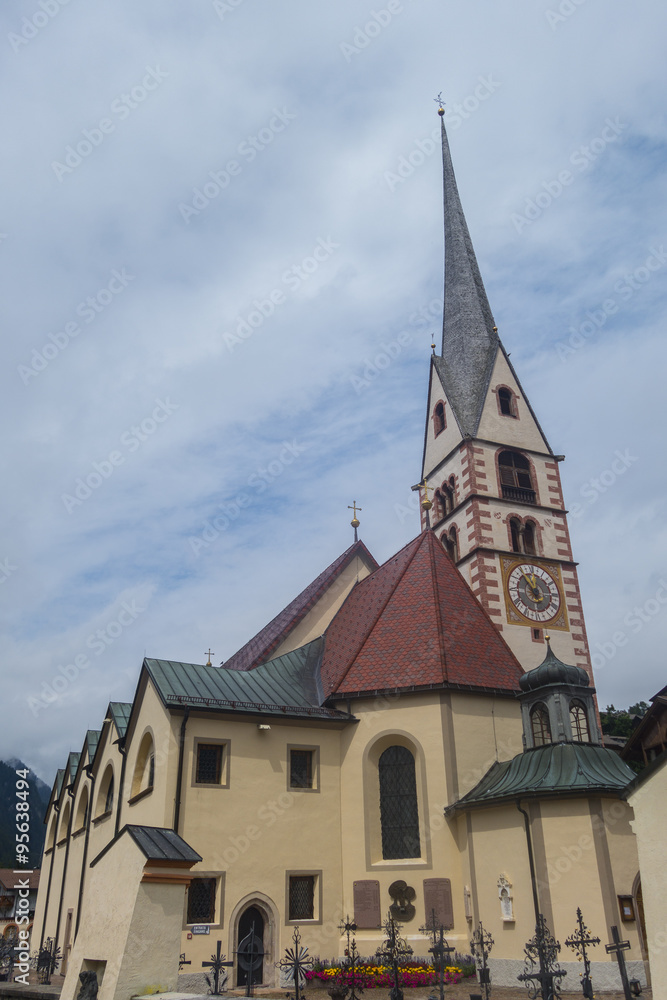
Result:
{"points": [[38, 800]]}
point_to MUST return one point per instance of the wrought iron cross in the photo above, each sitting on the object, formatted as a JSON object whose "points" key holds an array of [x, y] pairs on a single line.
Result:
{"points": [[217, 964], [578, 942], [439, 101], [440, 949], [392, 950], [481, 944], [295, 961], [542, 953], [348, 927], [617, 948], [182, 961]]}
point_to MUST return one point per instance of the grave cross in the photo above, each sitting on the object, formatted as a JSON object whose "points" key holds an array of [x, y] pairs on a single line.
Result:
{"points": [[481, 944], [617, 948], [392, 950], [217, 964], [348, 927], [251, 953], [542, 951], [182, 961], [578, 942], [295, 962], [440, 949]]}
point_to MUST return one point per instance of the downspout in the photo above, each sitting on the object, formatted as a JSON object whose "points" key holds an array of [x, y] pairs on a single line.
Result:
{"points": [[531, 860], [179, 778], [56, 809], [85, 852], [121, 790], [70, 792]]}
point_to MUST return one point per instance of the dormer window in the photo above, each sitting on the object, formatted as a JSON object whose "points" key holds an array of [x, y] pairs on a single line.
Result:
{"points": [[539, 723], [439, 421]]}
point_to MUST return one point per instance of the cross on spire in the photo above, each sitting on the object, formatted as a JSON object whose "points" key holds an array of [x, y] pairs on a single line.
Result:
{"points": [[355, 520]]}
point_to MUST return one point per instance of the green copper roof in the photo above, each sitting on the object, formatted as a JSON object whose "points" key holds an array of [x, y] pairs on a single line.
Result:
{"points": [[90, 743], [58, 784], [120, 715], [72, 765], [286, 685], [553, 671], [558, 769]]}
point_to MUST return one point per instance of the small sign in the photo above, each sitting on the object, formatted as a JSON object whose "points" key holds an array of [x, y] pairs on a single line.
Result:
{"points": [[201, 929], [367, 913]]}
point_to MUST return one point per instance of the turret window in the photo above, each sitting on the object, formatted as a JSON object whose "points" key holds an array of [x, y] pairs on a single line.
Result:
{"points": [[579, 723], [539, 723], [515, 479], [439, 420]]}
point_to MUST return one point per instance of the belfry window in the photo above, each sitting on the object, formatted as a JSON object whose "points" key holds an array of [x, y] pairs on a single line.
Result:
{"points": [[539, 722], [399, 814], [529, 538], [515, 479], [515, 529], [579, 723], [439, 422]]}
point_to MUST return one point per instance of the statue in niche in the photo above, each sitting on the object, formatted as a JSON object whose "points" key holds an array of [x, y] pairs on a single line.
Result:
{"points": [[505, 896]]}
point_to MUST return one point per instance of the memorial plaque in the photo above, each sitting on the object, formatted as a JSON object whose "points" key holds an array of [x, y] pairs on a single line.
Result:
{"points": [[438, 897], [367, 913]]}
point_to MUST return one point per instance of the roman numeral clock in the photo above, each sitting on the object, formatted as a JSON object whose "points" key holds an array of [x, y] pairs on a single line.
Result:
{"points": [[534, 593]]}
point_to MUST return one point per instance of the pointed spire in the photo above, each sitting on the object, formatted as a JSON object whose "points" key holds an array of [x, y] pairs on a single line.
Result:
{"points": [[469, 334]]}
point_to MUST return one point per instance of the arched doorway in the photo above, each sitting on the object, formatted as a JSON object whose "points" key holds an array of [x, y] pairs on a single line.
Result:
{"points": [[251, 921]]}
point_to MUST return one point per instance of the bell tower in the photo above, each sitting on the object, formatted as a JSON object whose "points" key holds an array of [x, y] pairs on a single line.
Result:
{"points": [[498, 505]]}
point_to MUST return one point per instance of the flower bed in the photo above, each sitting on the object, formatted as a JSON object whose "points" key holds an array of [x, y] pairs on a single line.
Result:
{"points": [[371, 976]]}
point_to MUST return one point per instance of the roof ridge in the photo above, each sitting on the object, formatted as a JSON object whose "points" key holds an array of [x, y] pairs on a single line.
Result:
{"points": [[416, 542], [269, 637]]}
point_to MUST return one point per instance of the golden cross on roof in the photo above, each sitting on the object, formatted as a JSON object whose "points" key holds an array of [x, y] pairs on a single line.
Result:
{"points": [[425, 487], [353, 507], [210, 654], [439, 101]]}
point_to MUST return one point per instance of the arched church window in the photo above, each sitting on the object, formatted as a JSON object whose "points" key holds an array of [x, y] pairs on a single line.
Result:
{"points": [[439, 421], [506, 402], [579, 722], [529, 538], [515, 532], [144, 769], [539, 722], [82, 811], [399, 816], [104, 802], [515, 478]]}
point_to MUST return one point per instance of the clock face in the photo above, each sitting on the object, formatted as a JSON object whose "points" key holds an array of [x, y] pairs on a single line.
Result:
{"points": [[534, 592]]}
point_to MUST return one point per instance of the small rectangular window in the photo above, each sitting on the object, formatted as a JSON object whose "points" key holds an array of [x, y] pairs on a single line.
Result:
{"points": [[201, 901], [301, 769], [301, 897], [209, 763]]}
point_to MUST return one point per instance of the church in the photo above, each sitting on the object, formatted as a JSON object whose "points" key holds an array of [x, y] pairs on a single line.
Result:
{"points": [[420, 735]]}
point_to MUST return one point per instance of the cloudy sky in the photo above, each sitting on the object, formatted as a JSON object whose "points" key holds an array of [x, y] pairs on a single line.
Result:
{"points": [[215, 220]]}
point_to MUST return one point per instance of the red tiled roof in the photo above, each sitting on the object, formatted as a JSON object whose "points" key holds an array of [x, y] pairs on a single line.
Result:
{"points": [[8, 879], [415, 622], [260, 648]]}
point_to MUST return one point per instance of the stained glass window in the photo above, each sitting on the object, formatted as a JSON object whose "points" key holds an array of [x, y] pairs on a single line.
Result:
{"points": [[399, 815]]}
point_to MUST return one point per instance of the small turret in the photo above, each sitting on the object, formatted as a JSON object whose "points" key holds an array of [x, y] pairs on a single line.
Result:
{"points": [[557, 704]]}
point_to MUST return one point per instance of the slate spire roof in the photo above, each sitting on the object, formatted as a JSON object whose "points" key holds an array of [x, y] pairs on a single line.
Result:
{"points": [[469, 338], [414, 622]]}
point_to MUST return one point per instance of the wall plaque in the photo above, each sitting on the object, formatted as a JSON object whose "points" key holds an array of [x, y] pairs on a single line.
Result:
{"points": [[438, 897], [367, 914]]}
